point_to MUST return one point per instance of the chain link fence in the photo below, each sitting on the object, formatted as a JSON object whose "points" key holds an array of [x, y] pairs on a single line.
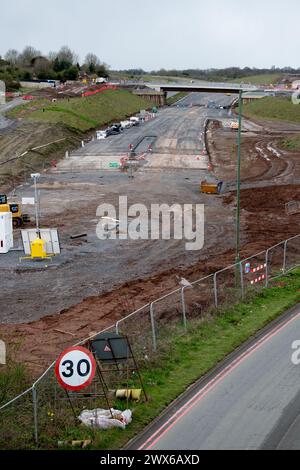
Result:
{"points": [[42, 409]]}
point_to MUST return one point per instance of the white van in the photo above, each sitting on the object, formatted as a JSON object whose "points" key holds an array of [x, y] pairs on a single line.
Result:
{"points": [[101, 80], [135, 120], [126, 124], [101, 135]]}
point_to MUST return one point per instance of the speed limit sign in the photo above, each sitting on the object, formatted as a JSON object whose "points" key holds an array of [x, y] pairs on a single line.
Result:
{"points": [[75, 368]]}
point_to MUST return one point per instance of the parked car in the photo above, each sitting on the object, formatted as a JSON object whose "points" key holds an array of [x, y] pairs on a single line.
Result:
{"points": [[117, 125], [135, 121], [126, 124], [101, 135], [101, 80], [111, 131]]}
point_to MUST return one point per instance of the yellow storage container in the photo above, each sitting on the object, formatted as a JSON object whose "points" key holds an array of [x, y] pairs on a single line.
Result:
{"points": [[38, 248], [211, 187]]}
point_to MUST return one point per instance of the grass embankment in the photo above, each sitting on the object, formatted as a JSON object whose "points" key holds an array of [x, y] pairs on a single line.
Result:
{"points": [[191, 355], [173, 99], [83, 113], [273, 108], [291, 143], [195, 353], [264, 79], [27, 136], [68, 119]]}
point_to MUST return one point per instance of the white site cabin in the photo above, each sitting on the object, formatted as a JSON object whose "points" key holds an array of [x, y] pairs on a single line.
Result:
{"points": [[6, 232]]}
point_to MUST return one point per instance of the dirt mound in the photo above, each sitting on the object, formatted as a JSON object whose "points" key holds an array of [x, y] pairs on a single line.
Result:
{"points": [[269, 198]]}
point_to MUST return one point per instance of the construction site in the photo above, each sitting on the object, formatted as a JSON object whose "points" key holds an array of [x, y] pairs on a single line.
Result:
{"points": [[149, 230], [65, 283], [92, 283]]}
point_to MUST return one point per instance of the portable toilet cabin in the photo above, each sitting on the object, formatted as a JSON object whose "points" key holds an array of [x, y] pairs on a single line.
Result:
{"points": [[6, 232]]}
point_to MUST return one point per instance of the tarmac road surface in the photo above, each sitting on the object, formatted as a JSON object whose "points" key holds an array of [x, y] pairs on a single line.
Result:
{"points": [[4, 108], [251, 402], [176, 129]]}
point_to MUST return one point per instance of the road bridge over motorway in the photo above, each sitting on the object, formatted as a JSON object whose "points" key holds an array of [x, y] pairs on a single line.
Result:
{"points": [[207, 88], [164, 89]]}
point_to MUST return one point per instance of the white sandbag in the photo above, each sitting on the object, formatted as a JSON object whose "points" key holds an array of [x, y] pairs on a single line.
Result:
{"points": [[104, 419]]}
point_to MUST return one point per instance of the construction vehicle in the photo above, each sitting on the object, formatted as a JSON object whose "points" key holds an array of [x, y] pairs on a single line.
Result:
{"points": [[211, 187], [15, 208]]}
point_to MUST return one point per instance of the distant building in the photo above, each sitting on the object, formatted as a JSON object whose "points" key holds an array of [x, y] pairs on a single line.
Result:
{"points": [[83, 76]]}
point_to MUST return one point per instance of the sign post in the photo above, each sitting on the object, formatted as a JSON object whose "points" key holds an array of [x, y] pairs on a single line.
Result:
{"points": [[75, 368]]}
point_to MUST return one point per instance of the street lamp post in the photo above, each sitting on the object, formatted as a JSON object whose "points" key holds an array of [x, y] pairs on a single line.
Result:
{"points": [[36, 200], [238, 180]]}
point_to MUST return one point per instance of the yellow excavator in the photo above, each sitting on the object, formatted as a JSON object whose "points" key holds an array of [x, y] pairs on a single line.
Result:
{"points": [[15, 208]]}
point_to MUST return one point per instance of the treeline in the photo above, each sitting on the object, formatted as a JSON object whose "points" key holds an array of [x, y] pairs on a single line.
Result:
{"points": [[63, 65], [228, 73]]}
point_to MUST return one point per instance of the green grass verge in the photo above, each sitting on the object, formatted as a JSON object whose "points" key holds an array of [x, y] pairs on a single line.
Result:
{"points": [[291, 143], [263, 79], [192, 355], [83, 113], [173, 99], [195, 353], [188, 357], [273, 108]]}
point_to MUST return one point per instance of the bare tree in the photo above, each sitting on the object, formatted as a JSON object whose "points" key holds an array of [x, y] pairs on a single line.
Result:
{"points": [[12, 56], [52, 56], [91, 59], [91, 62], [27, 55], [66, 55]]}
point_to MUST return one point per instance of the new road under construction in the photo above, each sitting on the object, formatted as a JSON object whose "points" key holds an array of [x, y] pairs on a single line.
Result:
{"points": [[93, 282], [141, 230]]}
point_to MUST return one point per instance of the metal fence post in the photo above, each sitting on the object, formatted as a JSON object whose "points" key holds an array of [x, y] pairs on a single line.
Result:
{"points": [[267, 268], [242, 279], [153, 327], [183, 307], [216, 290], [284, 256], [35, 415]]}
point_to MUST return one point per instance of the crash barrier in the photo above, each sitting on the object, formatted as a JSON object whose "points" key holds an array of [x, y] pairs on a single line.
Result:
{"points": [[25, 419], [149, 117], [99, 90]]}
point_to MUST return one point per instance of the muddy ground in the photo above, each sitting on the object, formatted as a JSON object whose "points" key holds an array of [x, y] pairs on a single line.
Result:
{"points": [[116, 277]]}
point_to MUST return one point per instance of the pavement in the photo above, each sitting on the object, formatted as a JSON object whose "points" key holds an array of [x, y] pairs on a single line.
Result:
{"points": [[250, 401]]}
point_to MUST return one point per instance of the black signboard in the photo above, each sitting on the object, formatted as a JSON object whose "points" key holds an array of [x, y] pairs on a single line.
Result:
{"points": [[3, 199], [110, 347]]}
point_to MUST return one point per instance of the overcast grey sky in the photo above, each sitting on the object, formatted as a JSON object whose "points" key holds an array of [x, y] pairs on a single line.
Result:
{"points": [[159, 33]]}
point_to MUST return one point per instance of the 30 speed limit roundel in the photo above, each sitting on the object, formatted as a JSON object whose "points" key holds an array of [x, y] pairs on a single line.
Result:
{"points": [[75, 368]]}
